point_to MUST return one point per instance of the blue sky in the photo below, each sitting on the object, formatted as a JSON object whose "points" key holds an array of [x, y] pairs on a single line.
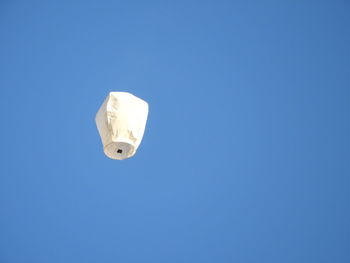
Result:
{"points": [[246, 152]]}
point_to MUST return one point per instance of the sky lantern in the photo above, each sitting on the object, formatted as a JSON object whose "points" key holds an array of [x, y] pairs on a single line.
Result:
{"points": [[121, 122]]}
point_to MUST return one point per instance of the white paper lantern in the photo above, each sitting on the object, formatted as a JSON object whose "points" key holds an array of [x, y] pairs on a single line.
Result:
{"points": [[121, 122]]}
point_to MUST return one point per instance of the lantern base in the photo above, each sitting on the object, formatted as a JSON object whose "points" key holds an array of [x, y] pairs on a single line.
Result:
{"points": [[119, 150]]}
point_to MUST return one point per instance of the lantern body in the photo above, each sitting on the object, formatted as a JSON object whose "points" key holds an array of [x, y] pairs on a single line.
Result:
{"points": [[121, 122]]}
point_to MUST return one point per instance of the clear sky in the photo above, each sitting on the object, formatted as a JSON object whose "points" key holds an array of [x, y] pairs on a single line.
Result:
{"points": [[246, 154]]}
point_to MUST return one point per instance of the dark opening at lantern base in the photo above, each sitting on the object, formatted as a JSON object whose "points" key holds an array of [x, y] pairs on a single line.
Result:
{"points": [[119, 150]]}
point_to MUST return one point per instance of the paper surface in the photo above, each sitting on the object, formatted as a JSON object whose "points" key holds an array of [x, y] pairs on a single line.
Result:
{"points": [[121, 122]]}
